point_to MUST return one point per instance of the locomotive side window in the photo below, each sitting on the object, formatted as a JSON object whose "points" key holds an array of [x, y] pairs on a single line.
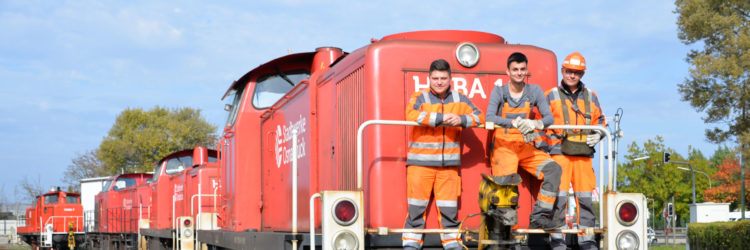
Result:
{"points": [[177, 164], [157, 172], [71, 199], [270, 88], [107, 185], [50, 199], [235, 97]]}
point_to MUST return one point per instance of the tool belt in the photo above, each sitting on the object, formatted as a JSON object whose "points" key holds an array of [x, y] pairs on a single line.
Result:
{"points": [[575, 145]]}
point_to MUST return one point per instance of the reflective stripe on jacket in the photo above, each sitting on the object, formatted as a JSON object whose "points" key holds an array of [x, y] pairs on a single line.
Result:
{"points": [[430, 145], [576, 113]]}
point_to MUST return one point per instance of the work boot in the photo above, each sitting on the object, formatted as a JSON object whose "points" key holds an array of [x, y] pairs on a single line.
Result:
{"points": [[545, 222]]}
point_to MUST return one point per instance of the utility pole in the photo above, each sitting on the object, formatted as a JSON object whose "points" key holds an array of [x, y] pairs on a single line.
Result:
{"points": [[616, 135], [742, 167]]}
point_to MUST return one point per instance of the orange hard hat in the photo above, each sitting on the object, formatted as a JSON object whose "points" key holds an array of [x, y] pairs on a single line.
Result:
{"points": [[574, 61]]}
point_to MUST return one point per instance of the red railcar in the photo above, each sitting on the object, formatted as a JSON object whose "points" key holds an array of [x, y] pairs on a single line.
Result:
{"points": [[124, 200], [185, 186], [54, 219], [325, 96]]}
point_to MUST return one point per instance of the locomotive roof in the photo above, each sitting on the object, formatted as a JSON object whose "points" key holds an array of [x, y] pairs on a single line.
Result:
{"points": [[447, 35]]}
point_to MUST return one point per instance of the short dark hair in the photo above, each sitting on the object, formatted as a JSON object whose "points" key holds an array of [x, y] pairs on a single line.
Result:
{"points": [[440, 65], [517, 57]]}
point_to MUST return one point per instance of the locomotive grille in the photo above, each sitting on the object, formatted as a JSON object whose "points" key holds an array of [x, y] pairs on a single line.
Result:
{"points": [[350, 108]]}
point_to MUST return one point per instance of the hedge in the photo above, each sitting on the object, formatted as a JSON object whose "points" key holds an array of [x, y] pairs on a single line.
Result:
{"points": [[720, 235]]}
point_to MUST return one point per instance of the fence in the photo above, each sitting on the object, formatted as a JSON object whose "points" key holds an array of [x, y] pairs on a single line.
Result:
{"points": [[8, 227]]}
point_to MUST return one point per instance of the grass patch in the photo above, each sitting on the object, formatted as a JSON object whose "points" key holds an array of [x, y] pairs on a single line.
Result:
{"points": [[668, 247]]}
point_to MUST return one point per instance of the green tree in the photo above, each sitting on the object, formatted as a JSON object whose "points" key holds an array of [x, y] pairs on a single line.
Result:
{"points": [[722, 153], [139, 138], [719, 80], [660, 181]]}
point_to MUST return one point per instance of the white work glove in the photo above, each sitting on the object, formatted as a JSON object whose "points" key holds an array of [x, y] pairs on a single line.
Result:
{"points": [[537, 124], [593, 139], [516, 122], [523, 125], [530, 137], [527, 126]]}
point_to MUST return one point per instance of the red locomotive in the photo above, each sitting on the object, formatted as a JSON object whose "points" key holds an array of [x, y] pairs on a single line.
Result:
{"points": [[185, 195], [297, 131], [132, 203], [55, 219], [124, 200], [324, 97]]}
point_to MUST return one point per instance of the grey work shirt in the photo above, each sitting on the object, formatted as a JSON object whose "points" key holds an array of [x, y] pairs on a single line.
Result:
{"points": [[531, 93]]}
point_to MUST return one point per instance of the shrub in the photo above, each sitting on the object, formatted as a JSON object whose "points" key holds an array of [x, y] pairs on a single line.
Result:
{"points": [[720, 235]]}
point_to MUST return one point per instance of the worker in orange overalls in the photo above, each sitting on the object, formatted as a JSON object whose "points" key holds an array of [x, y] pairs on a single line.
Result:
{"points": [[510, 106], [435, 153], [574, 104]]}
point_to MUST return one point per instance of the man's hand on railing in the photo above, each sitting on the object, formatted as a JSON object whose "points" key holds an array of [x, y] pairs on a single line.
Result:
{"points": [[451, 119]]}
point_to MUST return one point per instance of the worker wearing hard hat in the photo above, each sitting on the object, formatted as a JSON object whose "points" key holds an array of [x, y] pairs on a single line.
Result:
{"points": [[510, 106], [572, 103], [435, 152]]}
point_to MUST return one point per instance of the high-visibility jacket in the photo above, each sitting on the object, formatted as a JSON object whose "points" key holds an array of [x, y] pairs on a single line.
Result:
{"points": [[431, 145], [580, 108]]}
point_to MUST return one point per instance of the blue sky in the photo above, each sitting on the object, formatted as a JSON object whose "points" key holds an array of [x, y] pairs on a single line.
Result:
{"points": [[67, 68]]}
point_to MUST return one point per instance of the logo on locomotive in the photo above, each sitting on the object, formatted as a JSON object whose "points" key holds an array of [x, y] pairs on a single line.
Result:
{"points": [[284, 138], [470, 85]]}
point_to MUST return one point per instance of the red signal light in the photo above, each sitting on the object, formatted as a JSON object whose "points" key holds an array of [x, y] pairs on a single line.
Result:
{"points": [[345, 212], [627, 213], [187, 223]]}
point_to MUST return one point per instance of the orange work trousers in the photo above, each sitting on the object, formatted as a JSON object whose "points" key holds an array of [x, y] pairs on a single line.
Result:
{"points": [[508, 156], [420, 182], [578, 171]]}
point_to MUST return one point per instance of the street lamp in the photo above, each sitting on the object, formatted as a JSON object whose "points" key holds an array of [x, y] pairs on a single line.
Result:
{"points": [[692, 172], [641, 158], [704, 173]]}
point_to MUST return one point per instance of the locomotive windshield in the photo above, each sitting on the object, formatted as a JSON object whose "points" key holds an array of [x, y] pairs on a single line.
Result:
{"points": [[71, 199], [235, 97], [50, 199], [123, 182], [177, 164], [270, 88]]}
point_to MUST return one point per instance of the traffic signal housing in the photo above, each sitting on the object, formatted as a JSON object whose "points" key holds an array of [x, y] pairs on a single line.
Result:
{"points": [[667, 157], [670, 209]]}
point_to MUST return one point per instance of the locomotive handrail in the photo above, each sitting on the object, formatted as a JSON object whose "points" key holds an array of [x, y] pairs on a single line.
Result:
{"points": [[603, 130], [65, 220], [385, 230], [360, 132]]}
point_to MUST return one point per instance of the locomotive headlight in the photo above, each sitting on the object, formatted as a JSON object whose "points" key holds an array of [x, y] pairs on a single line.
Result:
{"points": [[345, 240], [627, 240], [627, 213], [345, 212], [467, 54]]}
